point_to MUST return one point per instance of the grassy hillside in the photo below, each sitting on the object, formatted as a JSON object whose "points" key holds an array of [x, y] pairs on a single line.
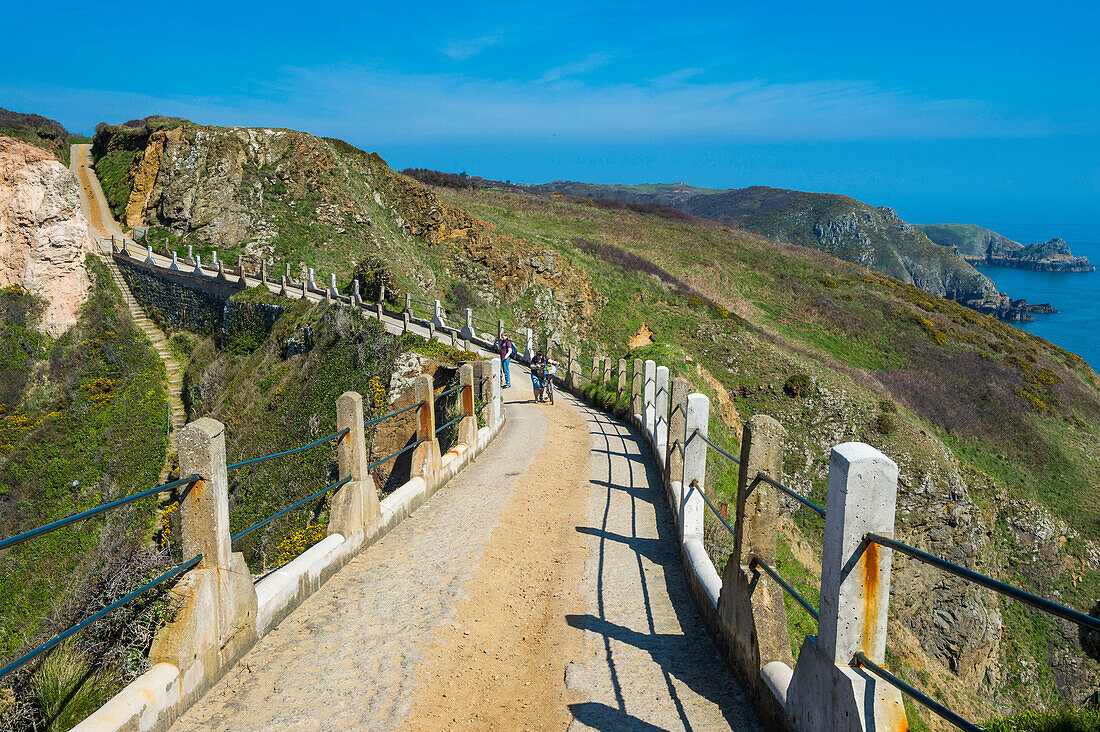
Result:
{"points": [[83, 421], [990, 425], [38, 131], [971, 240]]}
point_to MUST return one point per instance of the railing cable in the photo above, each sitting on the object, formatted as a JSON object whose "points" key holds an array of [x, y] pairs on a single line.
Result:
{"points": [[757, 561], [85, 623], [416, 405], [26, 535], [916, 694], [1041, 603], [276, 515], [801, 499], [315, 443]]}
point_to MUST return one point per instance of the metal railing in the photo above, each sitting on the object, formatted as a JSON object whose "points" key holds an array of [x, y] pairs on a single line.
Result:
{"points": [[53, 526], [290, 508], [60, 637], [416, 405], [315, 443]]}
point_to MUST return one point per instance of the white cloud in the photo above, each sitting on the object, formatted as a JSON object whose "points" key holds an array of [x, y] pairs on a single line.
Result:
{"points": [[576, 68], [460, 50], [384, 107]]}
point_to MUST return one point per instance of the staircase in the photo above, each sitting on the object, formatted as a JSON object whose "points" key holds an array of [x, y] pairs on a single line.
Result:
{"points": [[171, 364]]}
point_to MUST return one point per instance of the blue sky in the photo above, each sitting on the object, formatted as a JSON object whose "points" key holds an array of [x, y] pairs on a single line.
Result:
{"points": [[984, 112]]}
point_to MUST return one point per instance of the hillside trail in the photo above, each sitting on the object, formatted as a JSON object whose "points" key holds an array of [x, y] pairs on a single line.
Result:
{"points": [[98, 213], [541, 588]]}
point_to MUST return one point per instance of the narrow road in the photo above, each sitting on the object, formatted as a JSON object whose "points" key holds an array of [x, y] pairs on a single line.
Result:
{"points": [[540, 589], [94, 205]]}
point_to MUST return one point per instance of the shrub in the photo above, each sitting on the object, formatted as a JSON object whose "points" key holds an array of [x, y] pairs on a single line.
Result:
{"points": [[885, 424], [798, 386]]}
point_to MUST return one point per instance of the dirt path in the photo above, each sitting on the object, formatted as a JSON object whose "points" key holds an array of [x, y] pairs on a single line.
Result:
{"points": [[99, 217], [501, 663]]}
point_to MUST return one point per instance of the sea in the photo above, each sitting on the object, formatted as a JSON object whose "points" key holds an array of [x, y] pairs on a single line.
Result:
{"points": [[1076, 295]]}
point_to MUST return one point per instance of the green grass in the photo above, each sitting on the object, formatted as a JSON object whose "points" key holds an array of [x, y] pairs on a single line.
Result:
{"points": [[111, 168], [1079, 719]]}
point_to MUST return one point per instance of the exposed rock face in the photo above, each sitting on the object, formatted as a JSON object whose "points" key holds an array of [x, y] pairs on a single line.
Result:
{"points": [[276, 192], [43, 233], [978, 245]]}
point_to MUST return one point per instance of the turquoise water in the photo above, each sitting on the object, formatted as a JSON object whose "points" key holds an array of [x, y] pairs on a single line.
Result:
{"points": [[1076, 295]]}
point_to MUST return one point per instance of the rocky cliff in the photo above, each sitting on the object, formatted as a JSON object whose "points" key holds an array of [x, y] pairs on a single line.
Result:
{"points": [[288, 196], [978, 245], [43, 233], [872, 237]]}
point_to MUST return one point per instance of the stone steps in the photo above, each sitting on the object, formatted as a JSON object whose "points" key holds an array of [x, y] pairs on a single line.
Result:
{"points": [[172, 367]]}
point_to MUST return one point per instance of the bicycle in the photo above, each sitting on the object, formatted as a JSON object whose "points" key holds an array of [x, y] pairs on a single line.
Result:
{"points": [[545, 373]]}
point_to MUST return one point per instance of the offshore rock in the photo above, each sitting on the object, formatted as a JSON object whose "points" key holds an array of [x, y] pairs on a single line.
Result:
{"points": [[43, 233]]}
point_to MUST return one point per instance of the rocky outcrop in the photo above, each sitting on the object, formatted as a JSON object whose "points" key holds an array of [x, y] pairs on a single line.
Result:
{"points": [[279, 194], [981, 246], [43, 233]]}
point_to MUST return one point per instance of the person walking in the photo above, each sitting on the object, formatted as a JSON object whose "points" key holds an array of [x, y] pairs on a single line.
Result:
{"points": [[542, 371], [507, 351]]}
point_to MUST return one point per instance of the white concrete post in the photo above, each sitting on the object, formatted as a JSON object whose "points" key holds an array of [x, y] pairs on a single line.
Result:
{"points": [[263, 272], [149, 255], [695, 466], [437, 315], [528, 352], [198, 266], [204, 513], [175, 266], [284, 288], [355, 505], [636, 407], [426, 457], [190, 253], [335, 293], [649, 391], [405, 322], [356, 298], [408, 304], [620, 379], [467, 426], [827, 691], [661, 399], [221, 271], [468, 329], [310, 284], [214, 258], [494, 407], [217, 621]]}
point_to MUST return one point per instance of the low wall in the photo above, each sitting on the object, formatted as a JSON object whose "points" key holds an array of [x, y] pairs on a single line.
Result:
{"points": [[159, 697]]}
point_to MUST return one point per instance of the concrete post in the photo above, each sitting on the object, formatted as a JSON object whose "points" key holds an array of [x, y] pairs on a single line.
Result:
{"points": [[437, 315], [204, 513], [405, 322], [494, 408], [607, 371], [649, 391], [596, 369], [468, 329], [549, 346], [620, 379], [149, 255], [408, 303], [426, 457], [381, 294], [190, 248], [636, 407], [826, 691], [751, 603], [198, 266], [431, 330], [221, 271], [217, 620], [660, 420], [286, 272], [528, 352], [310, 284], [454, 338], [695, 466], [677, 419], [332, 289], [355, 506], [573, 370], [356, 298], [263, 271], [175, 266], [240, 266], [467, 426], [214, 259]]}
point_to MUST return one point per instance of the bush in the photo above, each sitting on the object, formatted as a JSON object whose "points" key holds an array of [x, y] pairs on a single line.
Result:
{"points": [[798, 386], [885, 423]]}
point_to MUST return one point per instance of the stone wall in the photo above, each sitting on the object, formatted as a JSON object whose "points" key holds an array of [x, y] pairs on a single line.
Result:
{"points": [[199, 304]]}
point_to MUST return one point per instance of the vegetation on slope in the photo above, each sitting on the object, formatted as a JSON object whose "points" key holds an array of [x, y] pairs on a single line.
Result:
{"points": [[38, 131], [992, 424], [85, 424]]}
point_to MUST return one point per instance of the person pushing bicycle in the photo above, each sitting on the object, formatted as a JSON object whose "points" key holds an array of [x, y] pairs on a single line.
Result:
{"points": [[542, 377]]}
